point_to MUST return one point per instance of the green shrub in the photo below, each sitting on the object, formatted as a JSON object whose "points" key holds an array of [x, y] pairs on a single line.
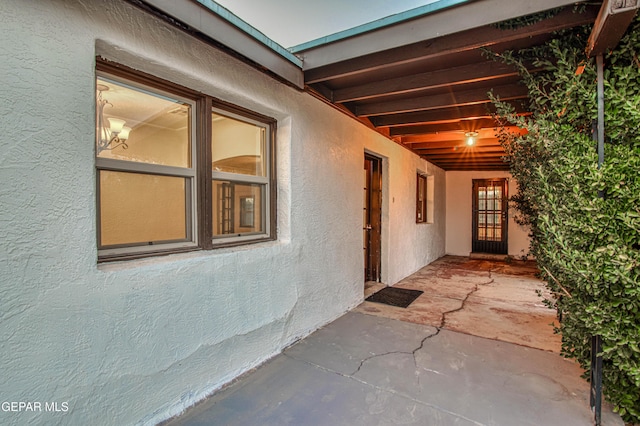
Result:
{"points": [[587, 247]]}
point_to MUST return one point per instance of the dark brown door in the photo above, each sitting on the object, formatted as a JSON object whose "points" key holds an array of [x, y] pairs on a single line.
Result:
{"points": [[372, 217], [490, 201]]}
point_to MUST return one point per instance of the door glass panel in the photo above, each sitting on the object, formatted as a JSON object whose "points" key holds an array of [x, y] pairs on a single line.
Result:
{"points": [[489, 207], [489, 222]]}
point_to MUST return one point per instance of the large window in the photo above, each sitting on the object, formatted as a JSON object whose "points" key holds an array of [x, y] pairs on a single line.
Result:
{"points": [[178, 170]]}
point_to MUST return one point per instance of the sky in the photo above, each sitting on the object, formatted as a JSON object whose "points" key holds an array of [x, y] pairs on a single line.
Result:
{"points": [[293, 22]]}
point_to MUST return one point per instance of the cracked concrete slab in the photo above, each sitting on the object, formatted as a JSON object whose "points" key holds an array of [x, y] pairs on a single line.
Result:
{"points": [[287, 391], [474, 349], [532, 330], [441, 287], [425, 309], [367, 370], [491, 299], [349, 340], [508, 309], [488, 382], [513, 290]]}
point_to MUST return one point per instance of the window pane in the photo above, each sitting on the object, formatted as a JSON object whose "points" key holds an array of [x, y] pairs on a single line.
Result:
{"points": [[421, 202], [237, 208], [139, 208], [158, 127], [237, 146]]}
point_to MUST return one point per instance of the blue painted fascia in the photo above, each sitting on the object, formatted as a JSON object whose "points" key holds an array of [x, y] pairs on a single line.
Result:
{"points": [[234, 20]]}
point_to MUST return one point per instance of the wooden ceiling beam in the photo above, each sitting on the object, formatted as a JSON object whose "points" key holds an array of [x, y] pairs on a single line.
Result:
{"points": [[462, 168], [466, 157], [471, 166], [462, 125], [454, 136], [470, 161], [408, 131], [484, 71], [458, 42], [468, 112], [460, 143], [446, 100], [466, 161], [462, 150]]}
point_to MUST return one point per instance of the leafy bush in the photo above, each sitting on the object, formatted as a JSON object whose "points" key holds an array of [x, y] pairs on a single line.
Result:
{"points": [[587, 246]]}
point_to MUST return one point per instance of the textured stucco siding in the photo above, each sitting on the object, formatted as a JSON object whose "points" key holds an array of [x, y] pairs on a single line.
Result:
{"points": [[136, 342]]}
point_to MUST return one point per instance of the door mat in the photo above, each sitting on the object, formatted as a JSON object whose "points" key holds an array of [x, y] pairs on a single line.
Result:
{"points": [[400, 297]]}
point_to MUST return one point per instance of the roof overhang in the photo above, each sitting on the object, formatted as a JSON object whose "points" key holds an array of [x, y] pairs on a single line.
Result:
{"points": [[421, 78], [212, 23], [425, 81], [435, 20]]}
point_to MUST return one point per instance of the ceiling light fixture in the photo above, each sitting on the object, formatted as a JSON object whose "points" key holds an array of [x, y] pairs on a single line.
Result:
{"points": [[114, 134], [471, 138]]}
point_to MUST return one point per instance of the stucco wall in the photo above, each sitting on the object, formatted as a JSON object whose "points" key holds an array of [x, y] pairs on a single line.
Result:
{"points": [[459, 199], [138, 341]]}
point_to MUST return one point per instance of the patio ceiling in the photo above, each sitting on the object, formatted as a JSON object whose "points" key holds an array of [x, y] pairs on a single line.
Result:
{"points": [[421, 77], [424, 82]]}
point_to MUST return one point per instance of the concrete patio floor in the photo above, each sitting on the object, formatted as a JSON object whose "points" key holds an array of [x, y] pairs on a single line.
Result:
{"points": [[475, 349], [485, 298]]}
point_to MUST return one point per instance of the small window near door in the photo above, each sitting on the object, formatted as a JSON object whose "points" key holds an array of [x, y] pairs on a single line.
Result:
{"points": [[421, 199]]}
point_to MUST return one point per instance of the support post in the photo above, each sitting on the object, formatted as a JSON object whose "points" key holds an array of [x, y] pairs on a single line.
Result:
{"points": [[596, 378], [600, 70], [596, 341]]}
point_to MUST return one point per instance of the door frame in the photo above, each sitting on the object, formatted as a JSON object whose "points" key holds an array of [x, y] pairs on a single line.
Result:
{"points": [[485, 245], [372, 218]]}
